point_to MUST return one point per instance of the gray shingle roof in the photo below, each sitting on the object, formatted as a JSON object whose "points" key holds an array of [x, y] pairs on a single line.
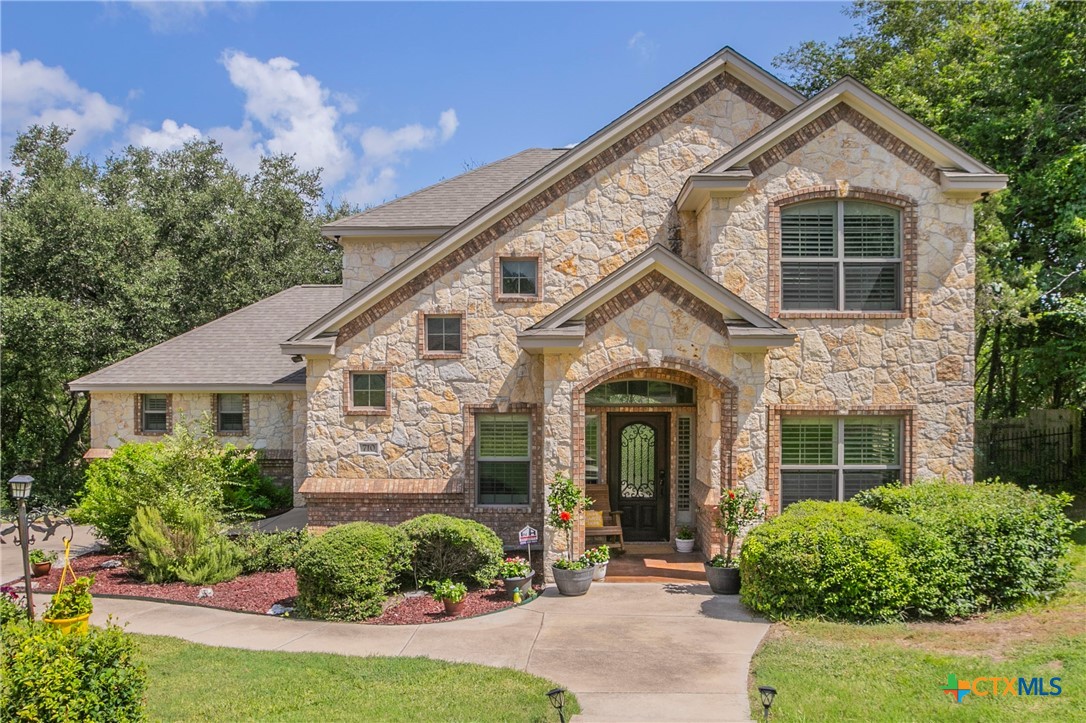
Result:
{"points": [[240, 349], [449, 202]]}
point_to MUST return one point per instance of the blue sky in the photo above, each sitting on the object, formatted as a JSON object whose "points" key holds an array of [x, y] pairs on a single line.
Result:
{"points": [[385, 97]]}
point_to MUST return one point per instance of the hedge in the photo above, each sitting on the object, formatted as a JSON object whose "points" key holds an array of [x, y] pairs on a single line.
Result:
{"points": [[443, 547], [347, 573]]}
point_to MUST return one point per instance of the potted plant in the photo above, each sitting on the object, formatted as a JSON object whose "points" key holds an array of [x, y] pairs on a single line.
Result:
{"points": [[564, 501], [71, 606], [684, 539], [598, 557], [451, 593], [737, 510], [41, 562], [516, 575]]}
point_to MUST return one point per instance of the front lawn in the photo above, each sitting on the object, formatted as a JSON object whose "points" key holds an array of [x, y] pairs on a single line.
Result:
{"points": [[197, 682], [896, 672]]}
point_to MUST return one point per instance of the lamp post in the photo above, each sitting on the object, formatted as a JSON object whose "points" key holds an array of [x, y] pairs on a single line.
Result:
{"points": [[768, 694], [558, 700], [20, 490]]}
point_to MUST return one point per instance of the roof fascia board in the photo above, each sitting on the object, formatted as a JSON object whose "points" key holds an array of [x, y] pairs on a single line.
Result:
{"points": [[744, 338], [311, 348], [700, 187], [526, 189], [971, 185], [870, 104], [181, 387]]}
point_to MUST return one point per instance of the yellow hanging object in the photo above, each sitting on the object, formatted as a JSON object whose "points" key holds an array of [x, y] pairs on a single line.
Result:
{"points": [[79, 623]]}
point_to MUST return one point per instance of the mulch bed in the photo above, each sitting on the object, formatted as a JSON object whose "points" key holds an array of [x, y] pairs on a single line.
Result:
{"points": [[257, 592]]}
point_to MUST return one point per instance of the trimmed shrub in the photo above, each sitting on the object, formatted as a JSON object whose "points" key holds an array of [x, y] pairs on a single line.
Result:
{"points": [[271, 551], [841, 561], [53, 677], [191, 550], [1012, 543], [444, 547], [346, 573], [187, 470]]}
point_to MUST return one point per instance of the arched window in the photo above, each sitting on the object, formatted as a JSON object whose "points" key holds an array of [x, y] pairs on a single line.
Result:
{"points": [[841, 255], [639, 391]]}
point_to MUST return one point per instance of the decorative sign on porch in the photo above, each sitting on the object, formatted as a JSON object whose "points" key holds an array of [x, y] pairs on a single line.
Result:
{"points": [[528, 535]]}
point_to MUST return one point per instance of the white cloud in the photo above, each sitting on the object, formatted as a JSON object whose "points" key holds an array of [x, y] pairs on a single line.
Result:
{"points": [[188, 15], [640, 44], [384, 146], [170, 136], [37, 93], [373, 186]]}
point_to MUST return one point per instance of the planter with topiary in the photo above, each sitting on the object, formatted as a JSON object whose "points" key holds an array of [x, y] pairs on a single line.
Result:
{"points": [[565, 499], [71, 606], [452, 594], [41, 562], [684, 539], [738, 509]]}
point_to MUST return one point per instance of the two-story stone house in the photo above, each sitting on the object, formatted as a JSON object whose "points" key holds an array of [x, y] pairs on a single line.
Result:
{"points": [[730, 284]]}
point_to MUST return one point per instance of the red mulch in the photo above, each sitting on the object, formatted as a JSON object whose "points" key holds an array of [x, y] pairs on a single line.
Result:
{"points": [[257, 592]]}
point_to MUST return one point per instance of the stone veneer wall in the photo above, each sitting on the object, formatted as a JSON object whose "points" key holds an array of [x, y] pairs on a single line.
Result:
{"points": [[918, 363], [365, 259]]}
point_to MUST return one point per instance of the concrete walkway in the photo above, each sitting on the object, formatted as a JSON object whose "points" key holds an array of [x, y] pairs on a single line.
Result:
{"points": [[630, 651], [11, 559]]}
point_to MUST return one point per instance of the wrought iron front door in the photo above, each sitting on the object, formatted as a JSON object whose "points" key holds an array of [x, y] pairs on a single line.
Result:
{"points": [[637, 451]]}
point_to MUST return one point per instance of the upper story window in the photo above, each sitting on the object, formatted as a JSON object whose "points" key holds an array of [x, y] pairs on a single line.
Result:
{"points": [[368, 391], [154, 412], [841, 256], [443, 334], [230, 410], [519, 277]]}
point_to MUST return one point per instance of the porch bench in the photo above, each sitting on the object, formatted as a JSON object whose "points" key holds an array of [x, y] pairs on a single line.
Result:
{"points": [[609, 521]]}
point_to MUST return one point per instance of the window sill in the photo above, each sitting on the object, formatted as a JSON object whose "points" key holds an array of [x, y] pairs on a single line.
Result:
{"points": [[796, 314], [441, 355], [515, 298], [366, 411]]}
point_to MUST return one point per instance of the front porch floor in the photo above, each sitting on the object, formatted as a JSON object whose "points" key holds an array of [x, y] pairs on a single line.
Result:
{"points": [[655, 562]]}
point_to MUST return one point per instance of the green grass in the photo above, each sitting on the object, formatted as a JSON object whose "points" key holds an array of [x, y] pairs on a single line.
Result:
{"points": [[197, 682], [842, 672]]}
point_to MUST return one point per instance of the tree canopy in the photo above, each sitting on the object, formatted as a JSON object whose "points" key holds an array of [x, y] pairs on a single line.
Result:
{"points": [[99, 261], [1007, 81]]}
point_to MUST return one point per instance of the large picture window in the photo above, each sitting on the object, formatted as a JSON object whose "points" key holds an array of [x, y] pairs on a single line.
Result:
{"points": [[841, 256], [503, 445], [833, 458]]}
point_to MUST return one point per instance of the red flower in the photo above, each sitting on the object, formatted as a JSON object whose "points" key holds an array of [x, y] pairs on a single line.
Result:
{"points": [[731, 494], [564, 516]]}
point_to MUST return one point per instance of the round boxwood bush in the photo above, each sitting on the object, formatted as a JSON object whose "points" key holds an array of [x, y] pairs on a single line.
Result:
{"points": [[348, 572], [444, 547], [841, 561], [1011, 542]]}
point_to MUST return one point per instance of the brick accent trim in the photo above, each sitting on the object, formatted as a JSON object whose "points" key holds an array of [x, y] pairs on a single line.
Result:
{"points": [[535, 483], [348, 396], [244, 417], [558, 189], [137, 405], [425, 353], [905, 204], [636, 292], [501, 298], [773, 444], [843, 112]]}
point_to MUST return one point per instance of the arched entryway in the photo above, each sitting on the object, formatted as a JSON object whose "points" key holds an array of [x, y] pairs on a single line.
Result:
{"points": [[647, 432]]}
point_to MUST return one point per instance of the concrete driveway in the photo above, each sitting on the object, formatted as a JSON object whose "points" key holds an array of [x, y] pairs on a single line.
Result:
{"points": [[630, 651], [11, 561]]}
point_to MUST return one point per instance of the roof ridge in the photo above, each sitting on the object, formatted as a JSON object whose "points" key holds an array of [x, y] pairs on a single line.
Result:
{"points": [[443, 182]]}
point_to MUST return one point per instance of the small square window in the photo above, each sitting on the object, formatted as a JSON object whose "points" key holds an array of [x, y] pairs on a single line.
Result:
{"points": [[520, 277], [231, 409], [154, 409], [368, 390], [443, 334]]}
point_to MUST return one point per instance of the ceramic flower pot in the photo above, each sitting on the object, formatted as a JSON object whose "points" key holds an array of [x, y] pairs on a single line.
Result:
{"points": [[67, 626], [454, 608], [723, 580], [524, 584], [684, 545], [572, 582], [38, 569], [599, 571]]}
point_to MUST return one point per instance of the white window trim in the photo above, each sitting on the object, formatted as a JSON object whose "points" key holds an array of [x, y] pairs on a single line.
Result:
{"points": [[840, 259], [839, 443], [479, 459], [144, 411]]}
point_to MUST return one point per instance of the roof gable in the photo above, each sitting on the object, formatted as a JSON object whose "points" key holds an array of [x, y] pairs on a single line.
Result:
{"points": [[656, 269], [724, 70]]}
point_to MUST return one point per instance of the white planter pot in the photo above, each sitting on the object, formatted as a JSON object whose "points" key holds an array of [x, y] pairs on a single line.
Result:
{"points": [[599, 571], [684, 545]]}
